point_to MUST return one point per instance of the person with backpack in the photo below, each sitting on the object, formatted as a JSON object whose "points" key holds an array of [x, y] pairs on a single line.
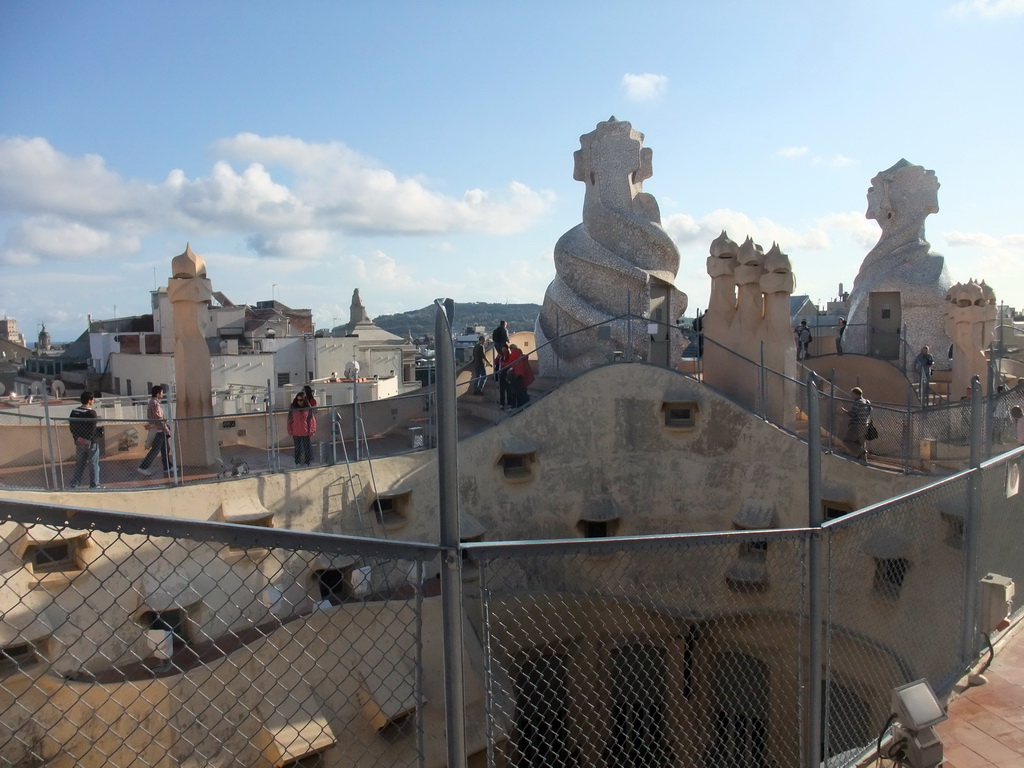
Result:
{"points": [[87, 435], [859, 427]]}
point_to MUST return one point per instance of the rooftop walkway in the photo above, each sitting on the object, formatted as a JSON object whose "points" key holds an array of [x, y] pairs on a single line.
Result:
{"points": [[985, 728]]}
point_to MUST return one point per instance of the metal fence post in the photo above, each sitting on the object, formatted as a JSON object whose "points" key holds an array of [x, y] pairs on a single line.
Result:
{"points": [[908, 432], [971, 527], [832, 413], [355, 417], [814, 596], [271, 432], [762, 380], [334, 435], [629, 327], [451, 571], [49, 432]]}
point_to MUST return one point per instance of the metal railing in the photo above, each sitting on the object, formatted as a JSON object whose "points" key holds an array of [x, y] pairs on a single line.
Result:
{"points": [[132, 640], [934, 439], [37, 452]]}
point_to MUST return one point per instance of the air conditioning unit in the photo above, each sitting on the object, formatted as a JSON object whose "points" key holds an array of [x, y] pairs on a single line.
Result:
{"points": [[996, 602]]}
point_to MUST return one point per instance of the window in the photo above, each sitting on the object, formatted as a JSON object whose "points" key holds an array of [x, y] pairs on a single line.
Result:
{"points": [[20, 655], [889, 575], [392, 510], [749, 573], [517, 466], [954, 525], [173, 620], [334, 584], [757, 549], [128, 383], [679, 415], [597, 529], [639, 728], [283, 379], [514, 466], [56, 556], [541, 735], [831, 509]]}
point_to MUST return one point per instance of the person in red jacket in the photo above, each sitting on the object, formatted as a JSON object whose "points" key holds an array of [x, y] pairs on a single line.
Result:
{"points": [[522, 376], [302, 427]]}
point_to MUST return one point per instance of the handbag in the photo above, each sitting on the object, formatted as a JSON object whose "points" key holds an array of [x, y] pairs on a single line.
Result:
{"points": [[872, 431]]}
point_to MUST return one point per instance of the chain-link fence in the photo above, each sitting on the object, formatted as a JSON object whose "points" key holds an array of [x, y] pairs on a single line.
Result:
{"points": [[41, 452], [1000, 519], [674, 650], [135, 641], [895, 577], [128, 640]]}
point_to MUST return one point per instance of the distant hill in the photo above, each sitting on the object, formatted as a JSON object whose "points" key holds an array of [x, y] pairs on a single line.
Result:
{"points": [[420, 322]]}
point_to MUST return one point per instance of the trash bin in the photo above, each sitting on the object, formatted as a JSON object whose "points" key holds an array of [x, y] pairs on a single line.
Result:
{"points": [[415, 437]]}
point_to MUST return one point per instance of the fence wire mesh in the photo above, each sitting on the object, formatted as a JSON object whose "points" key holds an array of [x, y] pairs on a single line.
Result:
{"points": [[1000, 520], [39, 453], [218, 646], [665, 651], [896, 579]]}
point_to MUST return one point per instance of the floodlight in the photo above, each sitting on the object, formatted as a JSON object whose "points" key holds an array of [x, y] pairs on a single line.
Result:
{"points": [[916, 710], [915, 705]]}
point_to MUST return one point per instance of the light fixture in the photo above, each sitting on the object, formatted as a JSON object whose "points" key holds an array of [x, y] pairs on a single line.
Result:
{"points": [[916, 711]]}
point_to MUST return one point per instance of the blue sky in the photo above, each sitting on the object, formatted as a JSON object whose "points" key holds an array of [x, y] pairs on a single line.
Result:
{"points": [[417, 150]]}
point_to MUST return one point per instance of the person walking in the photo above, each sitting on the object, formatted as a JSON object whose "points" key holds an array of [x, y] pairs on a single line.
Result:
{"points": [[856, 435], [840, 332], [83, 424], [302, 427], [159, 433], [479, 366], [803, 341]]}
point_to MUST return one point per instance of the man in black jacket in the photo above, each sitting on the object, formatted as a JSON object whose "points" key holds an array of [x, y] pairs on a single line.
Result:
{"points": [[499, 337], [83, 425]]}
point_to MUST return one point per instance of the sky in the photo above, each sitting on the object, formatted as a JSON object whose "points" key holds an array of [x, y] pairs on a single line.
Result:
{"points": [[417, 150]]}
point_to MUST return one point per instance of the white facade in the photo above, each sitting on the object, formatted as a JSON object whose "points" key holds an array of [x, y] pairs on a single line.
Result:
{"points": [[136, 374]]}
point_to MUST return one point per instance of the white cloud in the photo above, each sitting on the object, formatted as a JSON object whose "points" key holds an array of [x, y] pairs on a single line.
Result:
{"points": [[305, 244], [988, 9], [836, 161], [288, 195], [857, 226], [686, 230], [347, 190], [38, 239], [789, 152], [644, 87], [957, 238], [840, 161]]}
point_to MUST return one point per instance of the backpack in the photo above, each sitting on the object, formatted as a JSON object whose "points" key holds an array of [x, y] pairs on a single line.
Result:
{"points": [[81, 423]]}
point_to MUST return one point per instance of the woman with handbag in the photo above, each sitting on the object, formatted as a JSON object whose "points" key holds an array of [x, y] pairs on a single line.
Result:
{"points": [[856, 436]]}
